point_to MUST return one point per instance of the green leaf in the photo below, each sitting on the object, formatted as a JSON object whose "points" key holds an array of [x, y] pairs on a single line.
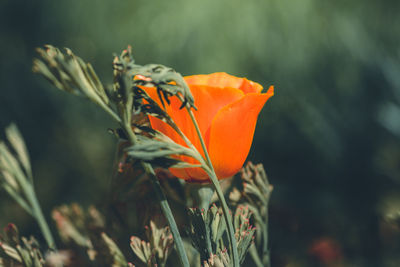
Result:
{"points": [[70, 73], [167, 81], [159, 150], [114, 252], [15, 138], [16, 251]]}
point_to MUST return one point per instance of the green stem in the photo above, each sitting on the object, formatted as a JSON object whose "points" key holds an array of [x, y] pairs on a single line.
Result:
{"points": [[109, 111], [125, 123], [254, 254], [228, 220], [163, 201], [35, 211], [213, 177], [38, 214], [17, 198], [266, 258], [168, 214], [203, 145]]}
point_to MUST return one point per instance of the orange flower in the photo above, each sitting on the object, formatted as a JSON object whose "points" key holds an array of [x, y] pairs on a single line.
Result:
{"points": [[227, 113]]}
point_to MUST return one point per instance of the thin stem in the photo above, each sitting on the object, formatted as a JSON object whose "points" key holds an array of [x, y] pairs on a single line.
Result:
{"points": [[18, 198], [254, 254], [168, 214], [163, 202], [109, 111], [203, 145], [228, 220], [36, 211], [266, 257], [38, 214], [265, 237], [213, 177], [125, 124]]}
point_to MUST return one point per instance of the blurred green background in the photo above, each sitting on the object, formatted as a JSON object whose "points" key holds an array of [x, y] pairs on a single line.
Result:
{"points": [[329, 138]]}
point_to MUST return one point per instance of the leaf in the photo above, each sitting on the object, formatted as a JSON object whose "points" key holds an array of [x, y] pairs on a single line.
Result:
{"points": [[118, 259], [70, 73], [244, 232], [10, 170], [15, 250], [159, 150], [156, 251], [207, 231], [221, 259], [167, 81], [141, 249], [7, 251], [15, 169], [85, 228], [15, 138]]}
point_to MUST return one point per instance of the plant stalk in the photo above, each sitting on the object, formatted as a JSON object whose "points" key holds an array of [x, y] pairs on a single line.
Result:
{"points": [[33, 208], [163, 201], [254, 254], [213, 177], [125, 122], [266, 258], [38, 214]]}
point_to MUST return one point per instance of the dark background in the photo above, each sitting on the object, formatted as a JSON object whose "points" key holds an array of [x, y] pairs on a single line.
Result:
{"points": [[329, 138]]}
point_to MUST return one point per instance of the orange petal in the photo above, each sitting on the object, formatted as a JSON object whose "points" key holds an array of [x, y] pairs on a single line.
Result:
{"points": [[161, 126], [190, 174], [209, 100], [231, 133], [222, 79]]}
